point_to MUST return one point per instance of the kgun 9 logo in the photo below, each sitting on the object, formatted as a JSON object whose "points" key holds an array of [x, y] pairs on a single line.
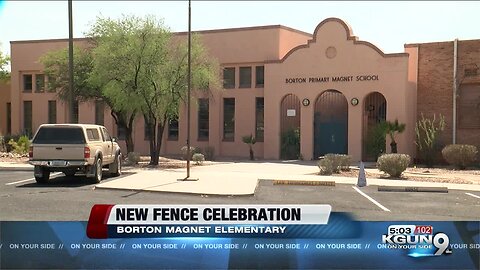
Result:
{"points": [[412, 241]]}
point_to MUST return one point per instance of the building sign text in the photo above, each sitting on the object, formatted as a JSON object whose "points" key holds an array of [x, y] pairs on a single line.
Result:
{"points": [[358, 78]]}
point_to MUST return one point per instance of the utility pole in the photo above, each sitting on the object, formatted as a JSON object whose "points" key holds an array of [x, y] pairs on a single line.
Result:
{"points": [[189, 89], [71, 96]]}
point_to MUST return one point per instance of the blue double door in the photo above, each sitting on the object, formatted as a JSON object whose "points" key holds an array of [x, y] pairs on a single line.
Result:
{"points": [[330, 124]]}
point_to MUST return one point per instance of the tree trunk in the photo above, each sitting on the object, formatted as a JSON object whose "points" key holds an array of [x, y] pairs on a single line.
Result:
{"points": [[155, 157], [393, 146], [120, 120], [252, 157]]}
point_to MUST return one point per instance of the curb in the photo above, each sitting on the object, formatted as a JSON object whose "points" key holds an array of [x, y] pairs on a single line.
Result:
{"points": [[302, 182], [174, 192], [413, 189], [16, 169]]}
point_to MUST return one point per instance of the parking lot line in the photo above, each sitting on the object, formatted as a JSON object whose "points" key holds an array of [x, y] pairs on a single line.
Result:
{"points": [[26, 180], [473, 195], [371, 199]]}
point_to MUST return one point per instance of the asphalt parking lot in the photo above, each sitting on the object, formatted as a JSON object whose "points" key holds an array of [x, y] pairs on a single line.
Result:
{"points": [[71, 198]]}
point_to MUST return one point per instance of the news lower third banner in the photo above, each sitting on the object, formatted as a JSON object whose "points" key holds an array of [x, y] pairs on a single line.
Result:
{"points": [[236, 236]]}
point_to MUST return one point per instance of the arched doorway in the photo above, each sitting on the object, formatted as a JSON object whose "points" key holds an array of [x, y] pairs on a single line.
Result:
{"points": [[330, 124], [290, 127], [374, 113]]}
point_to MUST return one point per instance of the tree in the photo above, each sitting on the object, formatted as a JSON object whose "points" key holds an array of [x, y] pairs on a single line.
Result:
{"points": [[145, 70], [4, 72], [392, 128], [250, 140], [169, 87], [85, 89]]}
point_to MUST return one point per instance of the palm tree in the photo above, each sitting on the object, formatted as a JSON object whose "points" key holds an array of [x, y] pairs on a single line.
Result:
{"points": [[250, 140], [392, 128]]}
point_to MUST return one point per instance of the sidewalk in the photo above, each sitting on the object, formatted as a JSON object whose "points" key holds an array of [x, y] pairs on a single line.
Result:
{"points": [[236, 178]]}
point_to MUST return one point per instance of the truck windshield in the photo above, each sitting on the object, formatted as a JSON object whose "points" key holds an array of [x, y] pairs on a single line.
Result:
{"points": [[51, 135]]}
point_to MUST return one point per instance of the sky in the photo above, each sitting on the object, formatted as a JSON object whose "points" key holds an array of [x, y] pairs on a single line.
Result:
{"points": [[388, 25]]}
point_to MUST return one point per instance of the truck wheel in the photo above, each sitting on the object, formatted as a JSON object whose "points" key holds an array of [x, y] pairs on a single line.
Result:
{"points": [[98, 171], [44, 177], [116, 167]]}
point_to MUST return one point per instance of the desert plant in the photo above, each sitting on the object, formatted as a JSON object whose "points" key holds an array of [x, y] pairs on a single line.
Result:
{"points": [[392, 128], [460, 155], [21, 146], [427, 132], [334, 163], [290, 144], [250, 140], [326, 166], [3, 146], [193, 150], [393, 164], [133, 158], [198, 158], [375, 142]]}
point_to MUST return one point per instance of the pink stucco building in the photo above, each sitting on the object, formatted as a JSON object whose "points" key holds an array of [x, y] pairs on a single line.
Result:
{"points": [[329, 86]]}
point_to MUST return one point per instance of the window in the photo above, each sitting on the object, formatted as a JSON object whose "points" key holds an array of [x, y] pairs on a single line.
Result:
{"points": [[106, 136], [147, 131], [245, 77], [173, 129], [75, 112], [52, 112], [27, 117], [9, 118], [92, 134], [99, 112], [469, 106], [39, 83], [121, 133], [259, 76], [229, 77], [203, 125], [60, 135], [27, 82], [259, 116], [229, 119]]}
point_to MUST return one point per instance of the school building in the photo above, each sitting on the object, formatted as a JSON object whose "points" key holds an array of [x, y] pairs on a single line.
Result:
{"points": [[327, 90]]}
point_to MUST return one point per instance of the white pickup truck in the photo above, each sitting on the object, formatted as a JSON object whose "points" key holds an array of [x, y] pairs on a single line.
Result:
{"points": [[72, 148]]}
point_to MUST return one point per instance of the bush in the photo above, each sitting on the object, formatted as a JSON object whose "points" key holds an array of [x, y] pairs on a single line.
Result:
{"points": [[198, 158], [326, 166], [21, 146], [460, 155], [193, 150], [133, 158], [427, 133], [3, 146], [290, 144], [393, 164], [333, 163]]}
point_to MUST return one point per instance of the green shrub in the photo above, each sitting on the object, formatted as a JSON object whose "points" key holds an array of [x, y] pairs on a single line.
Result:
{"points": [[427, 132], [21, 146], [375, 140], [133, 158], [198, 158], [3, 146], [333, 163], [460, 155], [326, 166], [290, 144], [393, 164]]}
